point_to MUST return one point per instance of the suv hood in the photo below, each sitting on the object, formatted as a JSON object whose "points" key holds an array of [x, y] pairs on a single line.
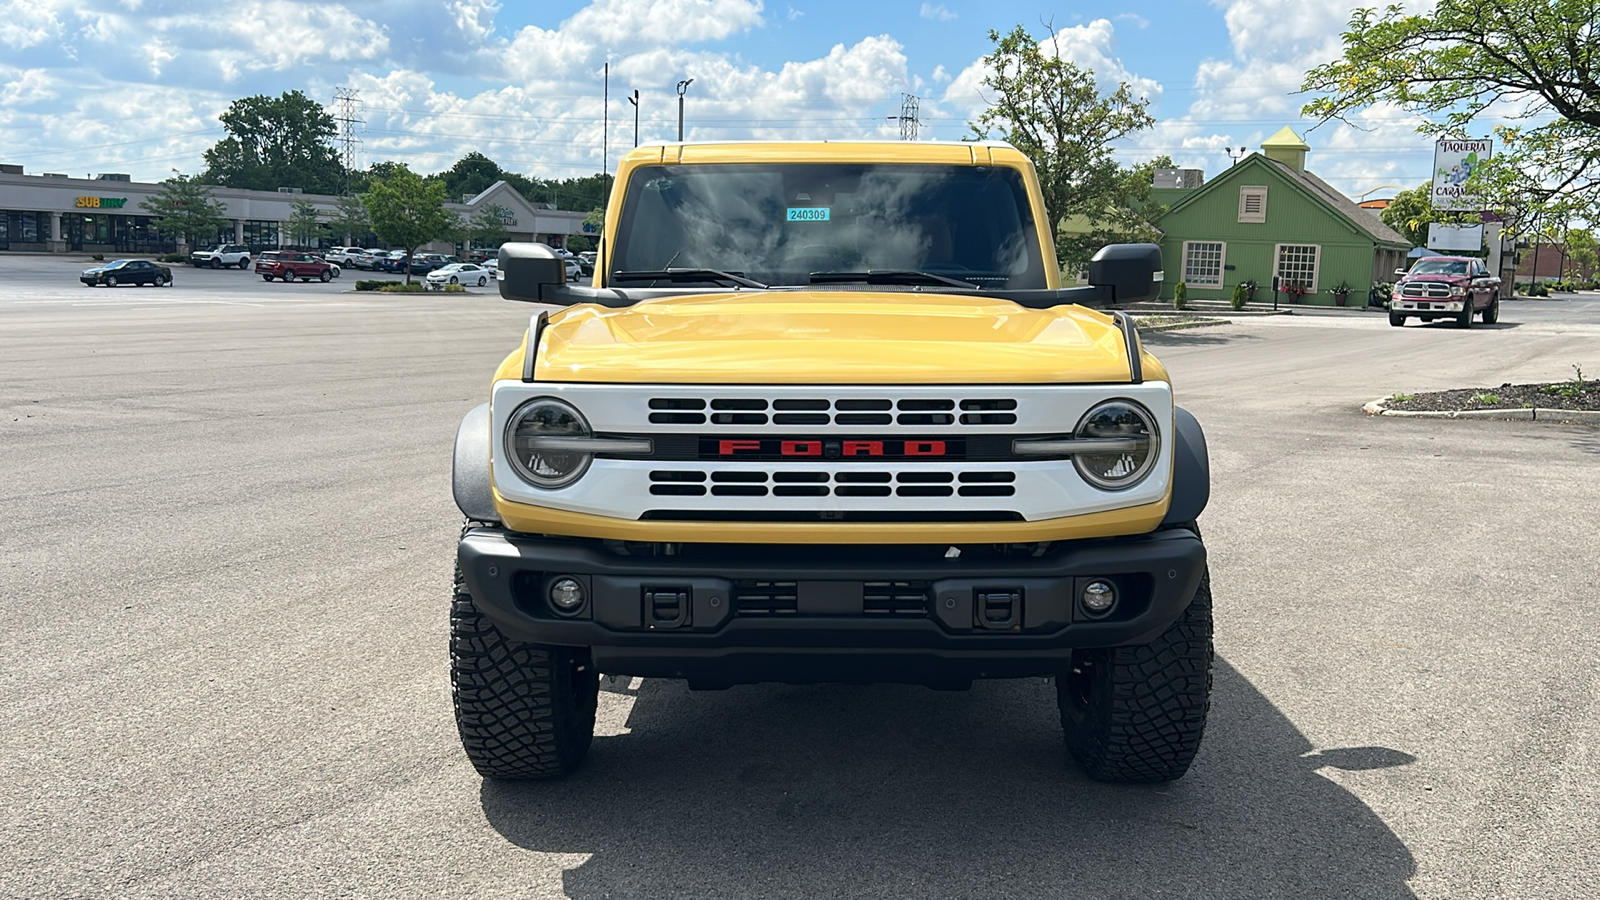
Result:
{"points": [[831, 337]]}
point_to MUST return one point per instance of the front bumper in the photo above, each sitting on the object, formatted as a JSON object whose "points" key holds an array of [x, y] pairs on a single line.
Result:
{"points": [[725, 614], [1405, 304]]}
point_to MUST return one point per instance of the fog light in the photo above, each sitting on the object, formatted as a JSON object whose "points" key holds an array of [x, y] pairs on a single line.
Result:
{"points": [[1098, 597], [566, 595]]}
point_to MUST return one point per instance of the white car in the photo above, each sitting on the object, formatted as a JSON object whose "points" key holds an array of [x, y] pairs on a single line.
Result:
{"points": [[344, 256], [459, 273]]}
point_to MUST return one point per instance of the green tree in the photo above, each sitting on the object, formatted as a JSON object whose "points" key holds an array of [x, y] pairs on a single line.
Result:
{"points": [[1410, 213], [1470, 59], [184, 209], [1054, 112], [408, 211], [305, 223], [276, 142], [350, 222], [486, 228], [1583, 251], [475, 173]]}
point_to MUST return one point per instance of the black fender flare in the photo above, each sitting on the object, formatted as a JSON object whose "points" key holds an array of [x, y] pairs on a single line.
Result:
{"points": [[1191, 469], [470, 479]]}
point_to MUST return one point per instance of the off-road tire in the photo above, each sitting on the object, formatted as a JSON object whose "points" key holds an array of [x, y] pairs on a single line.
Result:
{"points": [[1464, 318], [524, 711], [1397, 321], [216, 262], [243, 263], [1136, 714], [1491, 315]]}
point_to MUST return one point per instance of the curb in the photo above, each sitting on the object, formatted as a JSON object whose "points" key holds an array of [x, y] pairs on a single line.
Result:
{"points": [[1536, 414], [1178, 326]]}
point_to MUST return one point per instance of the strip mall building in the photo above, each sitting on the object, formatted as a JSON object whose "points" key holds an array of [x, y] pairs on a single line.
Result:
{"points": [[106, 214]]}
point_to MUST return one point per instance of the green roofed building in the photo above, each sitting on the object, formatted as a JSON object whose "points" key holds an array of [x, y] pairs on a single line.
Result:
{"points": [[1267, 216]]}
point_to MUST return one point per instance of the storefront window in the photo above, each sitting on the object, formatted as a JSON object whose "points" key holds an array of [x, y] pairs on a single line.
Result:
{"points": [[260, 235]]}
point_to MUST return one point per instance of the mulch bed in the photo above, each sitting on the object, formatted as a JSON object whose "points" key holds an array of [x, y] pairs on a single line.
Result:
{"points": [[1573, 394]]}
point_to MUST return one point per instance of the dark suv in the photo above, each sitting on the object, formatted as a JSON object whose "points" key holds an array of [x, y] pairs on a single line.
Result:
{"points": [[291, 264]]}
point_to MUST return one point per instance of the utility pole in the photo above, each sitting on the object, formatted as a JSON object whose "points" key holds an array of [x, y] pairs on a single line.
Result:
{"points": [[682, 86], [635, 101], [907, 117], [605, 126], [348, 100]]}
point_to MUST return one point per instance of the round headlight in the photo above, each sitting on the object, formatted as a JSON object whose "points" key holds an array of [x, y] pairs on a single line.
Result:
{"points": [[1128, 464], [546, 417]]}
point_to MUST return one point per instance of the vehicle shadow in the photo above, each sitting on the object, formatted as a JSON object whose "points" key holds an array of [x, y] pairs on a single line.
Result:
{"points": [[892, 791], [1195, 337]]}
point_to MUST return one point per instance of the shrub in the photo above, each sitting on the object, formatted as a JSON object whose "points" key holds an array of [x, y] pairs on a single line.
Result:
{"points": [[400, 287], [1241, 295], [455, 289], [97, 257], [174, 257], [1180, 295], [373, 284], [1486, 399]]}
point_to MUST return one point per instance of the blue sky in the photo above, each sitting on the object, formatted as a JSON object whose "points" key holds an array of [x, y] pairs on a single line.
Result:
{"points": [[90, 86]]}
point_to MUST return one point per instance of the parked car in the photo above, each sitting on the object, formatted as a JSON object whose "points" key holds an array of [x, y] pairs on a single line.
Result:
{"points": [[292, 264], [586, 261], [423, 263], [1445, 287], [127, 271], [395, 261], [219, 255], [458, 273], [343, 256], [574, 270], [337, 270]]}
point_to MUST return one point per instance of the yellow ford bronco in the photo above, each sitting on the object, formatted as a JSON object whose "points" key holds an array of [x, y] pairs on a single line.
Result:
{"points": [[826, 414]]}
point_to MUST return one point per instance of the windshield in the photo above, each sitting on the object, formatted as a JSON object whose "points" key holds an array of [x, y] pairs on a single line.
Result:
{"points": [[1439, 267], [780, 223]]}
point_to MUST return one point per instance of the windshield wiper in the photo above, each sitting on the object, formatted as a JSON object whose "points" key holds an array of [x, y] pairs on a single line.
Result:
{"points": [[890, 276], [677, 275]]}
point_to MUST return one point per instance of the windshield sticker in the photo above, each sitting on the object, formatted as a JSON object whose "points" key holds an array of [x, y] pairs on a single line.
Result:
{"points": [[808, 213]]}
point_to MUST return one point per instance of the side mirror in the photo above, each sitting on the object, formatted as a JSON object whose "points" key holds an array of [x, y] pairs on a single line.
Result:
{"points": [[530, 272], [1132, 272], [1400, 271]]}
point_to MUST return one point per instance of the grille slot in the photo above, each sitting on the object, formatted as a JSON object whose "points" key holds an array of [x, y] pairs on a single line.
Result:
{"points": [[738, 490], [677, 476], [914, 411], [766, 598], [678, 490], [895, 598], [677, 418]]}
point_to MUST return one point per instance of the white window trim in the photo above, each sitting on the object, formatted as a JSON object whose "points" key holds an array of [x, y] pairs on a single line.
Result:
{"points": [[1253, 190], [1316, 263], [1222, 265]]}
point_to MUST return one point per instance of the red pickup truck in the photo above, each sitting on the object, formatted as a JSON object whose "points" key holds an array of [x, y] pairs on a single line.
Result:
{"points": [[1439, 287], [289, 265]]}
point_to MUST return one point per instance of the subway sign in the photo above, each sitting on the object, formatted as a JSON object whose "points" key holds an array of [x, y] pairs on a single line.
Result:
{"points": [[101, 202]]}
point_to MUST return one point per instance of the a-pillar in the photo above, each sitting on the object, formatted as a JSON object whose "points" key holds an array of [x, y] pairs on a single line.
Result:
{"points": [[56, 243]]}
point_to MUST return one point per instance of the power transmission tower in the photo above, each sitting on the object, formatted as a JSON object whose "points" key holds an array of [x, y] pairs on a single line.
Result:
{"points": [[907, 117], [349, 103]]}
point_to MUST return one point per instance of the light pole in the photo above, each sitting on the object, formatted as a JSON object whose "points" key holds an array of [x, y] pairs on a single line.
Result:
{"points": [[635, 101], [1234, 160], [1362, 197], [682, 86]]}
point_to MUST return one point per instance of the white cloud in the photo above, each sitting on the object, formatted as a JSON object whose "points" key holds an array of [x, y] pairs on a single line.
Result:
{"points": [[936, 12], [1089, 46]]}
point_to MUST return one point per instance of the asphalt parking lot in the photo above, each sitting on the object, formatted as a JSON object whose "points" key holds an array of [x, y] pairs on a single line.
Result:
{"points": [[226, 559]]}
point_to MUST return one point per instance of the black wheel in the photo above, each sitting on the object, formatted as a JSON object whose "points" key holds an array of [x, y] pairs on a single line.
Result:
{"points": [[1136, 714], [216, 262], [161, 281], [266, 277], [244, 263], [111, 281], [287, 277], [1396, 320], [483, 280], [454, 280], [326, 276], [1491, 315], [523, 710], [1464, 318]]}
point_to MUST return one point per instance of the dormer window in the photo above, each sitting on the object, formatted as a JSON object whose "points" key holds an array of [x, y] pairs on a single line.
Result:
{"points": [[1253, 203]]}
